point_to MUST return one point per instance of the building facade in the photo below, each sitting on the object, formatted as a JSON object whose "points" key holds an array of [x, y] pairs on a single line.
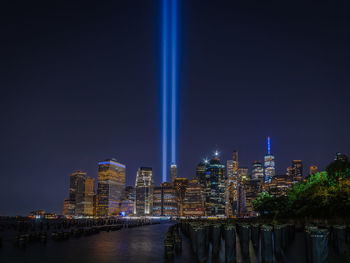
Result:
{"points": [[215, 187], [81, 192], [258, 171], [194, 199], [111, 186], [144, 191], [173, 172], [269, 163], [180, 185], [164, 200]]}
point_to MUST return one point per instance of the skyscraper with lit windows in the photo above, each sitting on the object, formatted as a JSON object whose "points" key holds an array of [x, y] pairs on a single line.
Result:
{"points": [[258, 171], [173, 172], [269, 163], [144, 191], [215, 187], [111, 186], [232, 182]]}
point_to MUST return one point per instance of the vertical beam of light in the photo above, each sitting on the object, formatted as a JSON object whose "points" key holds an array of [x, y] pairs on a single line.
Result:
{"points": [[268, 145], [164, 90], [173, 78]]}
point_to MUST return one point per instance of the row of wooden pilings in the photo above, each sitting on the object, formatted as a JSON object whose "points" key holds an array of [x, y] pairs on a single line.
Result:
{"points": [[59, 230], [173, 241], [274, 239], [319, 239]]}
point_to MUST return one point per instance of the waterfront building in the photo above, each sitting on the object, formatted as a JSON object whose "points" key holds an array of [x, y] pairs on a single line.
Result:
{"points": [[170, 207], [258, 171], [144, 191], [157, 209], [111, 186], [68, 207], [81, 192], [173, 172], [269, 163], [164, 200], [128, 203], [215, 187], [77, 191], [194, 199], [88, 200], [313, 169], [180, 185], [95, 200]]}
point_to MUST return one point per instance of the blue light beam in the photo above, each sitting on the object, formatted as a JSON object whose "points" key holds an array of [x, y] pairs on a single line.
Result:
{"points": [[164, 90], [268, 145], [173, 79]]}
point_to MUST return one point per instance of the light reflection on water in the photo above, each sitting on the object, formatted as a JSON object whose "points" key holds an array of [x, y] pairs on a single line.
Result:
{"points": [[143, 244]]}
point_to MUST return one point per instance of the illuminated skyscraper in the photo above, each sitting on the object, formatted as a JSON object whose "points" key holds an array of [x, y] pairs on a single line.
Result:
{"points": [[88, 201], [193, 201], [144, 191], [200, 173], [215, 187], [269, 163], [170, 207], [164, 200], [180, 185], [243, 174], [81, 192], [128, 203], [111, 186], [297, 169], [173, 172], [232, 185], [258, 171]]}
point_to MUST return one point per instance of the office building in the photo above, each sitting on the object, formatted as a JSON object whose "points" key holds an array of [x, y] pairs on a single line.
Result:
{"points": [[297, 170], [88, 200], [180, 185], [111, 186], [144, 191], [200, 173], [173, 172], [194, 199], [215, 187], [232, 182], [157, 209], [164, 200], [269, 163], [258, 171]]}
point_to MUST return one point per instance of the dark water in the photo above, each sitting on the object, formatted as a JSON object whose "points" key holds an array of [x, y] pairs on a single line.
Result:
{"points": [[143, 244]]}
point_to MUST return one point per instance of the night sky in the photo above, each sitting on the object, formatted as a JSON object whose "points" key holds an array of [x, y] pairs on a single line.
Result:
{"points": [[80, 82]]}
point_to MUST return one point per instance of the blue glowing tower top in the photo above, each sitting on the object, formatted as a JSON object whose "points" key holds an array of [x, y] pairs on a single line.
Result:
{"points": [[269, 162]]}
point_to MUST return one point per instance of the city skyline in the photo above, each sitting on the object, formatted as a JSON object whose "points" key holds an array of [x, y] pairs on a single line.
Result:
{"points": [[77, 90]]}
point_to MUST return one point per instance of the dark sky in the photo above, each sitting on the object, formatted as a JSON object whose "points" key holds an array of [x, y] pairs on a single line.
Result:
{"points": [[80, 82]]}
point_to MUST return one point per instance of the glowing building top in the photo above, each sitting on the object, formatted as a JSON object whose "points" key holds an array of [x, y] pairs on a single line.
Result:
{"points": [[173, 172], [269, 162]]}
